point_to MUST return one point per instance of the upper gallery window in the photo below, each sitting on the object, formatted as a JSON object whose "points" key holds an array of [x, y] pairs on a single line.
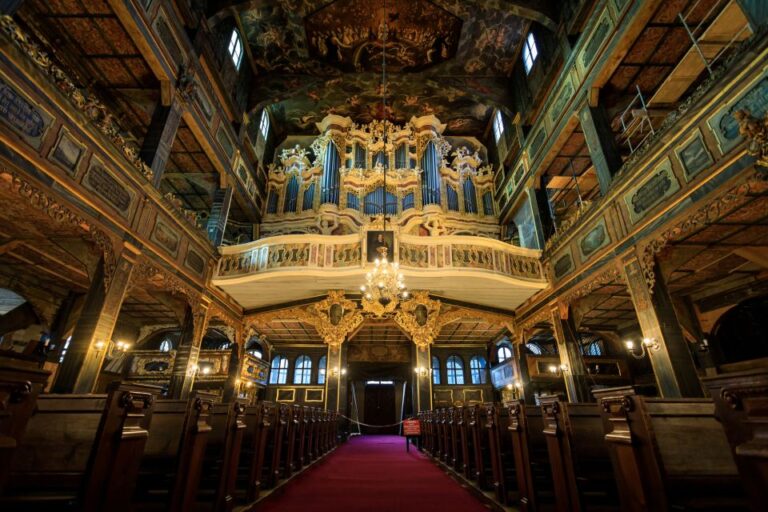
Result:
{"points": [[279, 370], [236, 48], [321, 366], [166, 346], [530, 52], [477, 368], [435, 370], [455, 370], [498, 126], [503, 353], [302, 371], [264, 124]]}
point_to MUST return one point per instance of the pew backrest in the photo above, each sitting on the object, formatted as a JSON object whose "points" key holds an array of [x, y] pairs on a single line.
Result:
{"points": [[20, 384], [660, 445], [741, 406]]}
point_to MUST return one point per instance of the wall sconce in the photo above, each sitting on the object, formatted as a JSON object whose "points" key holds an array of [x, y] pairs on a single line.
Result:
{"points": [[645, 345], [336, 372], [111, 347], [422, 372], [558, 370]]}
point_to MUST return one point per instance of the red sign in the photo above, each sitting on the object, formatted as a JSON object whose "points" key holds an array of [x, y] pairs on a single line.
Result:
{"points": [[411, 428]]}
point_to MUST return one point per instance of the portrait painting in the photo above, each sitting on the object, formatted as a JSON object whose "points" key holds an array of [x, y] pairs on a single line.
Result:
{"points": [[377, 239]]}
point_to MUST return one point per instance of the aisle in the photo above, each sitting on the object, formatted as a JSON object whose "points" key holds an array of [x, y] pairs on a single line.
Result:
{"points": [[373, 474]]}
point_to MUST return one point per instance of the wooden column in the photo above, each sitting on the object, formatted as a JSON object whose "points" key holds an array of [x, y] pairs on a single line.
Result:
{"points": [[533, 204], [185, 366], [336, 389], [575, 377], [601, 143], [160, 136], [423, 383], [93, 331], [525, 394], [236, 358], [672, 363]]}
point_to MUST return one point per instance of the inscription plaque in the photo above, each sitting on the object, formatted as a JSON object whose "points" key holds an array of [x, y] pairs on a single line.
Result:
{"points": [[101, 182], [22, 116]]}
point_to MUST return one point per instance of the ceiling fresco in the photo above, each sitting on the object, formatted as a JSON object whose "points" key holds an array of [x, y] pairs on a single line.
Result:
{"points": [[347, 34], [450, 58]]}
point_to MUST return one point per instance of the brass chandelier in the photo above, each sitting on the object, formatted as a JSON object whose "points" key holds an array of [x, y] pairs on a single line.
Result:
{"points": [[384, 287]]}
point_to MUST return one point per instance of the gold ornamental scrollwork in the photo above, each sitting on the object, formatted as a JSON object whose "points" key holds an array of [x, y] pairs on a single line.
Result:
{"points": [[419, 318], [333, 317]]}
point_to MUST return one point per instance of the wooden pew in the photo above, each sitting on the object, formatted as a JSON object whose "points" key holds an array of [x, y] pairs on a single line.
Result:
{"points": [[454, 418], [222, 453], [741, 406], [269, 471], [467, 445], [578, 455], [427, 432], [445, 435], [172, 461], [288, 465], [318, 432], [301, 436], [483, 471], [253, 448], [81, 452], [669, 454], [529, 447], [20, 384], [502, 459]]}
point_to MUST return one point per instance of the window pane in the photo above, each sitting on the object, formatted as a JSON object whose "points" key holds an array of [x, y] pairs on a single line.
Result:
{"points": [[235, 48], [435, 370], [264, 124], [302, 372], [455, 370]]}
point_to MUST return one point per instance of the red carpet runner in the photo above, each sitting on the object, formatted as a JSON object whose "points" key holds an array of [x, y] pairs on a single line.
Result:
{"points": [[373, 474]]}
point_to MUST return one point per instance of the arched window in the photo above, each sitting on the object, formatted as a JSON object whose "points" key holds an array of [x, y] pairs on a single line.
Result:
{"points": [[236, 48], [498, 126], [530, 52], [477, 370], [264, 124], [279, 370], [302, 370], [455, 370], [256, 352], [435, 370], [503, 353], [166, 346], [535, 348], [321, 365]]}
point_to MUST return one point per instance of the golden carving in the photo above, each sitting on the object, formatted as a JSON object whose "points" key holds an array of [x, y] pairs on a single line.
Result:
{"points": [[61, 214], [334, 317], [84, 100], [756, 132], [419, 318], [712, 210]]}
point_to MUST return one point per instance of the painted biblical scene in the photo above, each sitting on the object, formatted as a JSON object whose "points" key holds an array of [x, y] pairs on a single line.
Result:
{"points": [[350, 34]]}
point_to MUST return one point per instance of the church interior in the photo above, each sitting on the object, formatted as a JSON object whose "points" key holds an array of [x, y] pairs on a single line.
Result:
{"points": [[383, 255]]}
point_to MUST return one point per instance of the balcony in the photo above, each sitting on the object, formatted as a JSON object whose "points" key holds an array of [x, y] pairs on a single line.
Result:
{"points": [[287, 268]]}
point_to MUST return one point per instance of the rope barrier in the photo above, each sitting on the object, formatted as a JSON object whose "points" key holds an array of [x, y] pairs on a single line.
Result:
{"points": [[369, 425]]}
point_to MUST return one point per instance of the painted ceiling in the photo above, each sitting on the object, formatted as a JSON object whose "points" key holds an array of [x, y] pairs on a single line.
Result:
{"points": [[450, 58]]}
